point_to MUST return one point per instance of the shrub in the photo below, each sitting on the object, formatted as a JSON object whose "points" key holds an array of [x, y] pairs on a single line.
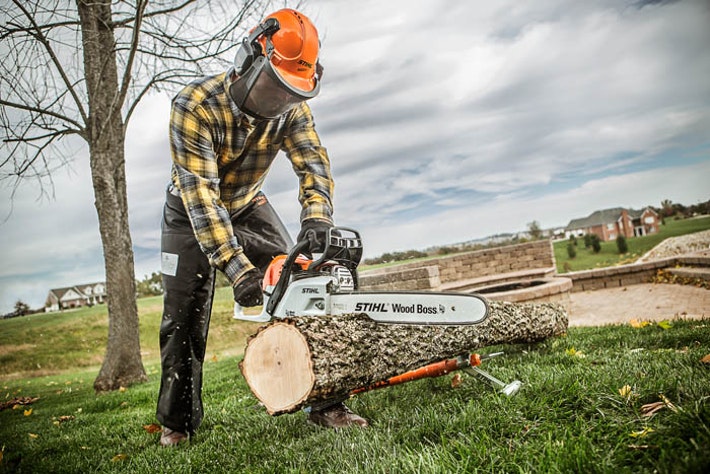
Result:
{"points": [[588, 240], [621, 244], [571, 250], [596, 243]]}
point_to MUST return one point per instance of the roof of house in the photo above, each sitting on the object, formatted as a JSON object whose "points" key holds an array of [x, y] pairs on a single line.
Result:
{"points": [[60, 292], [605, 216]]}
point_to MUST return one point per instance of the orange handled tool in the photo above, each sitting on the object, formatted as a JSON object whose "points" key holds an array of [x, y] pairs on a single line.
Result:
{"points": [[443, 367]]}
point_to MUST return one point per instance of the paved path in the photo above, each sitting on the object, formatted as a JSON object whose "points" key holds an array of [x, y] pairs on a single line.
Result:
{"points": [[654, 302]]}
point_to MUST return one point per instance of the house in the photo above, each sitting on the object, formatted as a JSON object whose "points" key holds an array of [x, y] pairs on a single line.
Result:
{"points": [[608, 224], [75, 296]]}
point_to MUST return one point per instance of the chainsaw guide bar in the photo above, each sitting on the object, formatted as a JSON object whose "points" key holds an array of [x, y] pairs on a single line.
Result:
{"points": [[329, 286]]}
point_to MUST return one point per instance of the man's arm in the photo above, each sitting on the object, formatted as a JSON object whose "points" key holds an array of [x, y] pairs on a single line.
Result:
{"points": [[312, 166], [195, 166]]}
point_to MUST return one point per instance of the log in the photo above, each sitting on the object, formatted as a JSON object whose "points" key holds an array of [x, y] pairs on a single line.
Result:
{"points": [[292, 363]]}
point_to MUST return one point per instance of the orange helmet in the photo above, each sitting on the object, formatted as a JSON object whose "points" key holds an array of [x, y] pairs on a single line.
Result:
{"points": [[295, 48], [277, 65]]}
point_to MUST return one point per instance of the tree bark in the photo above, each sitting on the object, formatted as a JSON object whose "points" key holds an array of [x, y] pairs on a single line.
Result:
{"points": [[105, 133], [293, 363]]}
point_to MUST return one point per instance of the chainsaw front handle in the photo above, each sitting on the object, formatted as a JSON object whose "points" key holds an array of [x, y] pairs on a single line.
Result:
{"points": [[343, 246]]}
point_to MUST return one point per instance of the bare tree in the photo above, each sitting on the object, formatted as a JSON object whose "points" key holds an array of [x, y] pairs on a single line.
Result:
{"points": [[80, 69], [535, 230], [667, 207]]}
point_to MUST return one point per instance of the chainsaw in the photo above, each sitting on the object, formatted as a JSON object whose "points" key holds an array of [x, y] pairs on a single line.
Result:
{"points": [[295, 285]]}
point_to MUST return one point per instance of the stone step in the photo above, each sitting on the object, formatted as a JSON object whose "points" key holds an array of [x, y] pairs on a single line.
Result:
{"points": [[702, 273]]}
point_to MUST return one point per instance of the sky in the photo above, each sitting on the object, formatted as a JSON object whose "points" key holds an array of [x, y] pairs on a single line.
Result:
{"points": [[445, 121]]}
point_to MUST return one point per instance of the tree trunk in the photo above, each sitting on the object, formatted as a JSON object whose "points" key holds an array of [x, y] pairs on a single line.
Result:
{"points": [[105, 133], [293, 363]]}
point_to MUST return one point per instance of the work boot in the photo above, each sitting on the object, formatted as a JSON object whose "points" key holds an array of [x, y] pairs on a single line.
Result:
{"points": [[171, 437], [336, 416]]}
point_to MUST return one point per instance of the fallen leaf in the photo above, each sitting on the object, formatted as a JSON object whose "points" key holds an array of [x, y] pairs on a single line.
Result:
{"points": [[153, 428], [456, 380], [17, 402], [625, 391], [642, 433], [706, 359], [669, 404], [33, 436], [575, 353], [214, 358], [122, 389], [28, 412], [635, 323], [65, 418], [118, 457], [665, 324], [650, 409]]}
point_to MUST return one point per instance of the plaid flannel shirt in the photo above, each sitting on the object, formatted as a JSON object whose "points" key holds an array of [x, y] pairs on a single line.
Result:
{"points": [[220, 161]]}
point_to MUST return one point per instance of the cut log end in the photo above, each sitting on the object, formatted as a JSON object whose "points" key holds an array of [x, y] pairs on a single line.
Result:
{"points": [[278, 367]]}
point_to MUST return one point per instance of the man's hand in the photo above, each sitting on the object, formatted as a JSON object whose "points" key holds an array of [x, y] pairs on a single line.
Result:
{"points": [[247, 291], [316, 231]]}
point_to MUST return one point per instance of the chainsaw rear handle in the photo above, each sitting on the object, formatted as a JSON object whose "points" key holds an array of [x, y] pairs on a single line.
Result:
{"points": [[345, 250]]}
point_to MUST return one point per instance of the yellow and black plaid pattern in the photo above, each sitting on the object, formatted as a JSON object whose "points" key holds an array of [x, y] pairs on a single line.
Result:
{"points": [[220, 161]]}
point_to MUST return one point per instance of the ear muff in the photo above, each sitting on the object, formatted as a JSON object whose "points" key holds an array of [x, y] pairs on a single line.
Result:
{"points": [[250, 47], [245, 56]]}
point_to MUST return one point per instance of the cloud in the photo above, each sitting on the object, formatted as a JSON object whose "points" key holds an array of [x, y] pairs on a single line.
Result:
{"points": [[509, 98], [445, 121]]}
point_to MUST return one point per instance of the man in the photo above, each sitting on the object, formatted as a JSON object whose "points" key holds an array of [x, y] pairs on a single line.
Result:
{"points": [[225, 131]]}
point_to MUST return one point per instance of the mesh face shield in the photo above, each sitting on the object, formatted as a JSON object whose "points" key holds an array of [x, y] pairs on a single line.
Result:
{"points": [[263, 93]]}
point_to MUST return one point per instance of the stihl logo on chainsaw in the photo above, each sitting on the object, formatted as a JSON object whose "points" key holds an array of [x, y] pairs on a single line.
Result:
{"points": [[399, 308]]}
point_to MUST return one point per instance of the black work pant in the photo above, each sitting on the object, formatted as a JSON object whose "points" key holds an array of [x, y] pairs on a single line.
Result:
{"points": [[188, 285]]}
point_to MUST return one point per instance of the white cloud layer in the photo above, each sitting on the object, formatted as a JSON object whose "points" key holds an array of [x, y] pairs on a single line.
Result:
{"points": [[445, 121]]}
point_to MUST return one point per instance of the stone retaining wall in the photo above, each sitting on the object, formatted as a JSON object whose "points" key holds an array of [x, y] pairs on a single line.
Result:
{"points": [[422, 278], [432, 274], [552, 290], [467, 271], [632, 274]]}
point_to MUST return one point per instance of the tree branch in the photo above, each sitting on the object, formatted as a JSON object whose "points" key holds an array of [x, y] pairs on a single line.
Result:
{"points": [[129, 20], [39, 36], [38, 110], [123, 90]]}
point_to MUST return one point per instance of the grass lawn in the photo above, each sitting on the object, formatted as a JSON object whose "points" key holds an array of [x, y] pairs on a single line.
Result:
{"points": [[584, 405], [581, 409], [609, 255], [28, 345]]}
